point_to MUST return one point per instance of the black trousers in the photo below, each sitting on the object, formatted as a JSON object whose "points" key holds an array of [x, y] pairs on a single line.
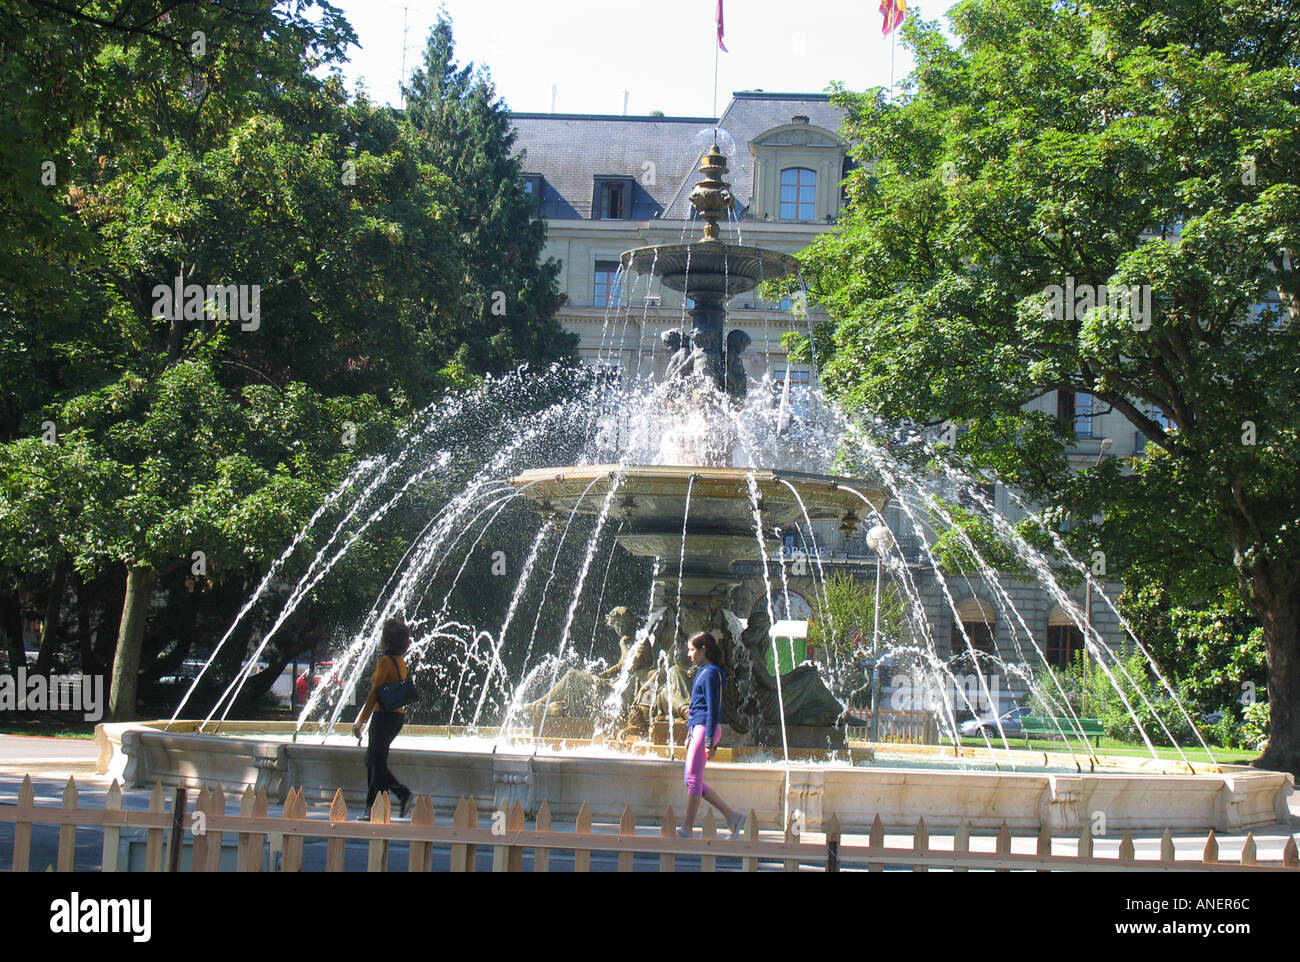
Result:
{"points": [[384, 726]]}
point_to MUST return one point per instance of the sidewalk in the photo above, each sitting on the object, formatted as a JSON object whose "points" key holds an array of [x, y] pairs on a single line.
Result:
{"points": [[51, 761], [23, 753]]}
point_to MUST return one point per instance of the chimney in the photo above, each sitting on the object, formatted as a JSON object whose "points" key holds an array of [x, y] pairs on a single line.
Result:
{"points": [[555, 90]]}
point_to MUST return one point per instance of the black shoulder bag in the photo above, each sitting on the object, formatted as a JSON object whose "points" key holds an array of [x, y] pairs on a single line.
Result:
{"points": [[397, 694]]}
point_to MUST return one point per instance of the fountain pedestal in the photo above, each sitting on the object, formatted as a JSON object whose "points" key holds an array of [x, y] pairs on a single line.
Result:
{"points": [[698, 578], [699, 519]]}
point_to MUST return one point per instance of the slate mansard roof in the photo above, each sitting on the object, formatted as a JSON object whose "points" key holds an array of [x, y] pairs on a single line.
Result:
{"points": [[659, 154]]}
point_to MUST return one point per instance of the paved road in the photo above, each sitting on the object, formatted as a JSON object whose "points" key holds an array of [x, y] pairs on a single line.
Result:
{"points": [[16, 750]]}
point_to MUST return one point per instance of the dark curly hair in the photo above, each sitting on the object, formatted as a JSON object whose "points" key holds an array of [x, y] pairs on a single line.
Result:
{"points": [[396, 635]]}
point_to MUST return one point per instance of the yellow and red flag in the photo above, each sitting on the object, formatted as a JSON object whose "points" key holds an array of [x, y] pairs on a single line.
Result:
{"points": [[721, 45], [894, 12]]}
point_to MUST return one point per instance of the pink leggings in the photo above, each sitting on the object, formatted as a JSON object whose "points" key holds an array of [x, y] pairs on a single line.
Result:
{"points": [[695, 759]]}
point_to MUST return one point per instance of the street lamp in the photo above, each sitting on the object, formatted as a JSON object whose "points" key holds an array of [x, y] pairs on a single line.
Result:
{"points": [[1087, 596], [880, 540]]}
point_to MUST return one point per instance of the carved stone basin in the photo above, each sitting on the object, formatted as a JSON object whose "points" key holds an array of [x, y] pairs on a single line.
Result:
{"points": [[711, 267], [650, 503]]}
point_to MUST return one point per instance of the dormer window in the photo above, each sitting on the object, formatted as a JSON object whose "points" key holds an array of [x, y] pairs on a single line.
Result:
{"points": [[533, 188], [798, 193], [613, 198], [797, 168]]}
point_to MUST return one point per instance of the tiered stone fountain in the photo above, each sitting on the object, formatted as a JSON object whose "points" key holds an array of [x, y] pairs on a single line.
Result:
{"points": [[696, 513], [725, 514]]}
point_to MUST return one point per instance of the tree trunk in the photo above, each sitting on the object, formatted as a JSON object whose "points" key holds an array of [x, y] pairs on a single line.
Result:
{"points": [[1276, 601], [50, 623], [261, 682], [11, 627], [1271, 588], [130, 639], [110, 585], [90, 664]]}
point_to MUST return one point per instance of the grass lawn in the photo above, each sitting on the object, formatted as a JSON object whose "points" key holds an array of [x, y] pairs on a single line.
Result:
{"points": [[1110, 746], [54, 724]]}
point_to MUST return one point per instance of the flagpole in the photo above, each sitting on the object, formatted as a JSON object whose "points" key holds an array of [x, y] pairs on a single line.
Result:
{"points": [[893, 48], [716, 52], [718, 48]]}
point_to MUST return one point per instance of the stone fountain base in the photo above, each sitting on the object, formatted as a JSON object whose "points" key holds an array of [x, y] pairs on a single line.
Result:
{"points": [[804, 737], [1230, 799]]}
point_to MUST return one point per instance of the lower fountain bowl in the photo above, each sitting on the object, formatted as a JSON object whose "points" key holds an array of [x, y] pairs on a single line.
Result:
{"points": [[901, 783]]}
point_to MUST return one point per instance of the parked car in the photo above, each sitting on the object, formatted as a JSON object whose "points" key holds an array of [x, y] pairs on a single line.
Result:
{"points": [[185, 674], [987, 725]]}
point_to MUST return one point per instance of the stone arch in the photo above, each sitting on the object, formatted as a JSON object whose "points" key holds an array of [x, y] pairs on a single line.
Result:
{"points": [[798, 144], [980, 619], [1064, 639]]}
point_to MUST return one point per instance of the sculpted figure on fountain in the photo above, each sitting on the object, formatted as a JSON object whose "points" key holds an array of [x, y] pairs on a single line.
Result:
{"points": [[737, 380], [679, 353]]}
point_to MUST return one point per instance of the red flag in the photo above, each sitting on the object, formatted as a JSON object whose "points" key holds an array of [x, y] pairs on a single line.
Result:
{"points": [[894, 12], [721, 45]]}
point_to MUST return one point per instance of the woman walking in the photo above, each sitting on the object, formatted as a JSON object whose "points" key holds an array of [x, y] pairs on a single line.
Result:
{"points": [[705, 728], [386, 724]]}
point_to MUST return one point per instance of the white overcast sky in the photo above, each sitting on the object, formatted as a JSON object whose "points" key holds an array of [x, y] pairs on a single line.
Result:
{"points": [[659, 51]]}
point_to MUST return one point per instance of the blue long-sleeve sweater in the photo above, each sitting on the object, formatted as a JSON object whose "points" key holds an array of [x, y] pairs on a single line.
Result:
{"points": [[706, 700]]}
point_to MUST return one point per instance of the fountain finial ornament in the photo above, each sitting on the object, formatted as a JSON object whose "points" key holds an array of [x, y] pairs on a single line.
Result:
{"points": [[712, 197]]}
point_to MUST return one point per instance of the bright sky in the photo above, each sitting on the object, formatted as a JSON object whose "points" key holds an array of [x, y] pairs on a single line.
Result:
{"points": [[660, 51]]}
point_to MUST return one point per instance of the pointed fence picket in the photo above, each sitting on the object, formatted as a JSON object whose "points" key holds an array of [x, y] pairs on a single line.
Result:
{"points": [[832, 848], [295, 809], [582, 857], [626, 828], [668, 830], [750, 862], [420, 858], [337, 846], [542, 856], [68, 831], [709, 833]]}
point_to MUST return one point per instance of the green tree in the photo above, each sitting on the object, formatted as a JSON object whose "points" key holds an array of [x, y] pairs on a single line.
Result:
{"points": [[1058, 147], [843, 617], [505, 313], [1212, 643], [179, 430]]}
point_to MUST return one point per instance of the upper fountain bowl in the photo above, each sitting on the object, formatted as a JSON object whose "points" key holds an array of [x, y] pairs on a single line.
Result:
{"points": [[710, 267], [652, 495]]}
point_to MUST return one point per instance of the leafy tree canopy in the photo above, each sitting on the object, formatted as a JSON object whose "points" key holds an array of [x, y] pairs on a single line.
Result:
{"points": [[1151, 148]]}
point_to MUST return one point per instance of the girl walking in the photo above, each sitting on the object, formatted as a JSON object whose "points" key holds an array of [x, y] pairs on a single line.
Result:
{"points": [[705, 728]]}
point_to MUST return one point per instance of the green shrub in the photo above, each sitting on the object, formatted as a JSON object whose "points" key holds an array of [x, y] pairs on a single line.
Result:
{"points": [[1254, 724], [1093, 695], [1224, 732]]}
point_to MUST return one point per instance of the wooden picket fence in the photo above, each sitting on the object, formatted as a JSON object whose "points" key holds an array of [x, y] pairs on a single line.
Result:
{"points": [[508, 836], [901, 727]]}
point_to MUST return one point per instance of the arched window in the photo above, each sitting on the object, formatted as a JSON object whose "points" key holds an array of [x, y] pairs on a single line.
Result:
{"points": [[798, 193], [979, 619], [1064, 640]]}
